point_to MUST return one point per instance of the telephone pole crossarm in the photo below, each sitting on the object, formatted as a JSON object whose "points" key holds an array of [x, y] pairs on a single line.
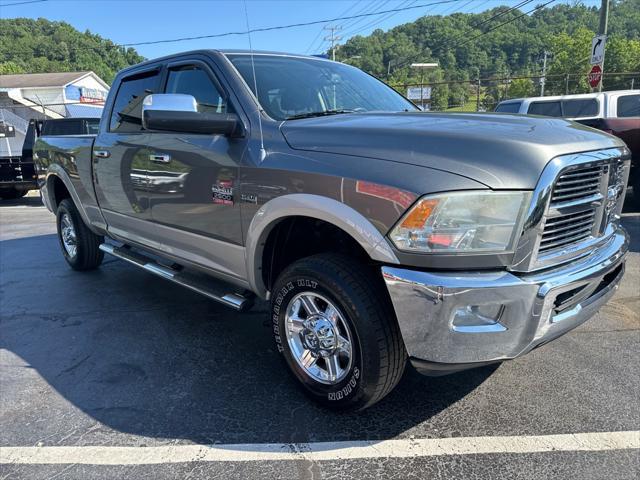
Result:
{"points": [[333, 38]]}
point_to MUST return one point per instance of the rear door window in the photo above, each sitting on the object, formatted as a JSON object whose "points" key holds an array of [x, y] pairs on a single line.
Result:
{"points": [[126, 115], [583, 107], [195, 81], [548, 109], [513, 107], [629, 106]]}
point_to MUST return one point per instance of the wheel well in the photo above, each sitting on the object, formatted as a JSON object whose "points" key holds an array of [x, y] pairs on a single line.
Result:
{"points": [[58, 191], [294, 238]]}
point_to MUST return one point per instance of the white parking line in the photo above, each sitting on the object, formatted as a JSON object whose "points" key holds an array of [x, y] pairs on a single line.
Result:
{"points": [[107, 455]]}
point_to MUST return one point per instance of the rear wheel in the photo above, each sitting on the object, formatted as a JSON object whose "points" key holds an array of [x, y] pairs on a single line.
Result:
{"points": [[80, 246], [337, 331]]}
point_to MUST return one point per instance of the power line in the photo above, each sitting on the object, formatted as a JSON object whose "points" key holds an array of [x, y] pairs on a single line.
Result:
{"points": [[373, 9], [267, 29], [378, 20], [505, 23], [370, 7], [492, 18], [503, 13], [313, 42], [281, 27], [446, 47], [21, 3], [344, 12], [476, 25], [452, 9]]}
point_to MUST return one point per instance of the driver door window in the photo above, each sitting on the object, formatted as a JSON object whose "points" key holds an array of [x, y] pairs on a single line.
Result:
{"points": [[192, 80]]}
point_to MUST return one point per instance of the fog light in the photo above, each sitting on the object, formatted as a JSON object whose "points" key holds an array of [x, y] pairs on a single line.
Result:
{"points": [[478, 319]]}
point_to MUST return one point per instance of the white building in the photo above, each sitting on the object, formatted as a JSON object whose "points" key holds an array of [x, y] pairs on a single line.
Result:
{"points": [[44, 96]]}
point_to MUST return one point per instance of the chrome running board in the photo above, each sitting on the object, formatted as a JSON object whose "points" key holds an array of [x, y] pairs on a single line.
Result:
{"points": [[207, 286]]}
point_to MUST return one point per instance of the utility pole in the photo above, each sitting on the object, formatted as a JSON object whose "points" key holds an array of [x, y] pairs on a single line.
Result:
{"points": [[389, 69], [543, 80], [478, 93], [333, 38], [602, 30]]}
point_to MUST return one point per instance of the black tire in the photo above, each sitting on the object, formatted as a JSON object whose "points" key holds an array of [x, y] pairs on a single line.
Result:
{"points": [[88, 256], [379, 356], [12, 194]]}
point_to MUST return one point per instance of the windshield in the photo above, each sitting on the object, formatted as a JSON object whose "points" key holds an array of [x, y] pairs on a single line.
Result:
{"points": [[294, 87]]}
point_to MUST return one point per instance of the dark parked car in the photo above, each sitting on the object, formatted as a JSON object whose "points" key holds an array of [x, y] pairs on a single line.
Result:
{"points": [[378, 233]]}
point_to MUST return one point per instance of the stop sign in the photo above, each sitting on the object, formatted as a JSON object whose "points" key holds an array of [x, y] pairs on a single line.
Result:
{"points": [[594, 76]]}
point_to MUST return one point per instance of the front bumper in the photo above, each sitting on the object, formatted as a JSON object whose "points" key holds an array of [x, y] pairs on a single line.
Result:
{"points": [[532, 309]]}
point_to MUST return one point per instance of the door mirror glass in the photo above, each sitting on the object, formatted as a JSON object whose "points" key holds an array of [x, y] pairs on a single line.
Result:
{"points": [[178, 112]]}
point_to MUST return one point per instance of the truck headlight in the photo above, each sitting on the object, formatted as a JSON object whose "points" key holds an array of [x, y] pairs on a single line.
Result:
{"points": [[462, 222]]}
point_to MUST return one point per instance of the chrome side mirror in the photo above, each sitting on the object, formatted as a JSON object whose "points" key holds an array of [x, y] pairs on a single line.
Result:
{"points": [[178, 112], [167, 102]]}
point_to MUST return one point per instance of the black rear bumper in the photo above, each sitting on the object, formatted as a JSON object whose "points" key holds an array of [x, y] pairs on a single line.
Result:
{"points": [[16, 174]]}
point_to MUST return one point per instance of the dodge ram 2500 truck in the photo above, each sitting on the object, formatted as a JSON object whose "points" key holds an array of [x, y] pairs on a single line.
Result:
{"points": [[378, 233]]}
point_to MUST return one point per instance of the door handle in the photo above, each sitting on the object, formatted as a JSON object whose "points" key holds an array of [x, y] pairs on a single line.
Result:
{"points": [[102, 153], [161, 158]]}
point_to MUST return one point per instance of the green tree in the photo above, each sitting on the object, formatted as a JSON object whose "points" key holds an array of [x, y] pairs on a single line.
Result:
{"points": [[521, 87], [35, 46], [467, 45]]}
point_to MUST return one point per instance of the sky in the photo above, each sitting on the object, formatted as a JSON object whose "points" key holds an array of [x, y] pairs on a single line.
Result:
{"points": [[132, 21]]}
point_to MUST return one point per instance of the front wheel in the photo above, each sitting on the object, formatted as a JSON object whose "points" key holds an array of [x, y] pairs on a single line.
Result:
{"points": [[80, 246], [335, 326]]}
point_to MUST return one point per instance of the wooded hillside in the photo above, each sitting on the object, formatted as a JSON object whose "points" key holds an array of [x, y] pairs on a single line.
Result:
{"points": [[466, 47], [37, 46]]}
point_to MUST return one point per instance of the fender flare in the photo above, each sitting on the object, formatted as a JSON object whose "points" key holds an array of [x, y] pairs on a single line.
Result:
{"points": [[314, 206], [57, 171]]}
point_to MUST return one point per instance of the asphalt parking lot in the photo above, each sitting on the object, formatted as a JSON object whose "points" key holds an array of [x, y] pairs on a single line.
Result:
{"points": [[185, 388]]}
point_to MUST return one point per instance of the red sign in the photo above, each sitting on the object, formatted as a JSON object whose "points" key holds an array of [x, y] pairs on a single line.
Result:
{"points": [[595, 75]]}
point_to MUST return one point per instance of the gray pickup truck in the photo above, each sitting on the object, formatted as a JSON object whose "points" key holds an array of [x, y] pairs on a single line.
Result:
{"points": [[378, 233]]}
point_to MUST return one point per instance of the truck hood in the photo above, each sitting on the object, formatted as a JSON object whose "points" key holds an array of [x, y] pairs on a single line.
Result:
{"points": [[498, 150]]}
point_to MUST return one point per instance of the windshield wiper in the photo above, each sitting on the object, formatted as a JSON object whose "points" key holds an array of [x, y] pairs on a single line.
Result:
{"points": [[318, 114]]}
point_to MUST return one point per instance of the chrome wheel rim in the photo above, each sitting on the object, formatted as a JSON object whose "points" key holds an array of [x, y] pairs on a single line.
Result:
{"points": [[68, 234], [319, 338]]}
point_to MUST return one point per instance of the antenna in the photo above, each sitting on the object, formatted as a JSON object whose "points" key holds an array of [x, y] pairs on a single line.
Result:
{"points": [[263, 152]]}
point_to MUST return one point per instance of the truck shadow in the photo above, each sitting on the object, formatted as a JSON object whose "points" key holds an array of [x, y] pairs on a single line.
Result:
{"points": [[145, 357], [631, 222]]}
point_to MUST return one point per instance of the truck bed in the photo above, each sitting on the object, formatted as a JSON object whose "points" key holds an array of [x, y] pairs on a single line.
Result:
{"points": [[72, 154]]}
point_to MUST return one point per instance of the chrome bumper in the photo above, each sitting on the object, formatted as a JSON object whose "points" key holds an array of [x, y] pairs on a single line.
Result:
{"points": [[532, 309]]}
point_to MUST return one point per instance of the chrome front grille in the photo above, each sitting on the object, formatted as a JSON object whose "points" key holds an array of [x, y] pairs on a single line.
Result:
{"points": [[576, 207], [577, 184], [577, 188], [566, 229]]}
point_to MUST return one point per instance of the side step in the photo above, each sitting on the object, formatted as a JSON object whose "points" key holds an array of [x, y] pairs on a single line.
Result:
{"points": [[206, 286]]}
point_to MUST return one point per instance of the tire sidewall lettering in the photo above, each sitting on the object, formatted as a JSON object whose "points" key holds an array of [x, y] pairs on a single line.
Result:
{"points": [[348, 389], [277, 305]]}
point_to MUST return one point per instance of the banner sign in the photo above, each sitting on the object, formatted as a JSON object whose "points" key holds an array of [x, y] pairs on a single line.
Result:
{"points": [[92, 95], [418, 93]]}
